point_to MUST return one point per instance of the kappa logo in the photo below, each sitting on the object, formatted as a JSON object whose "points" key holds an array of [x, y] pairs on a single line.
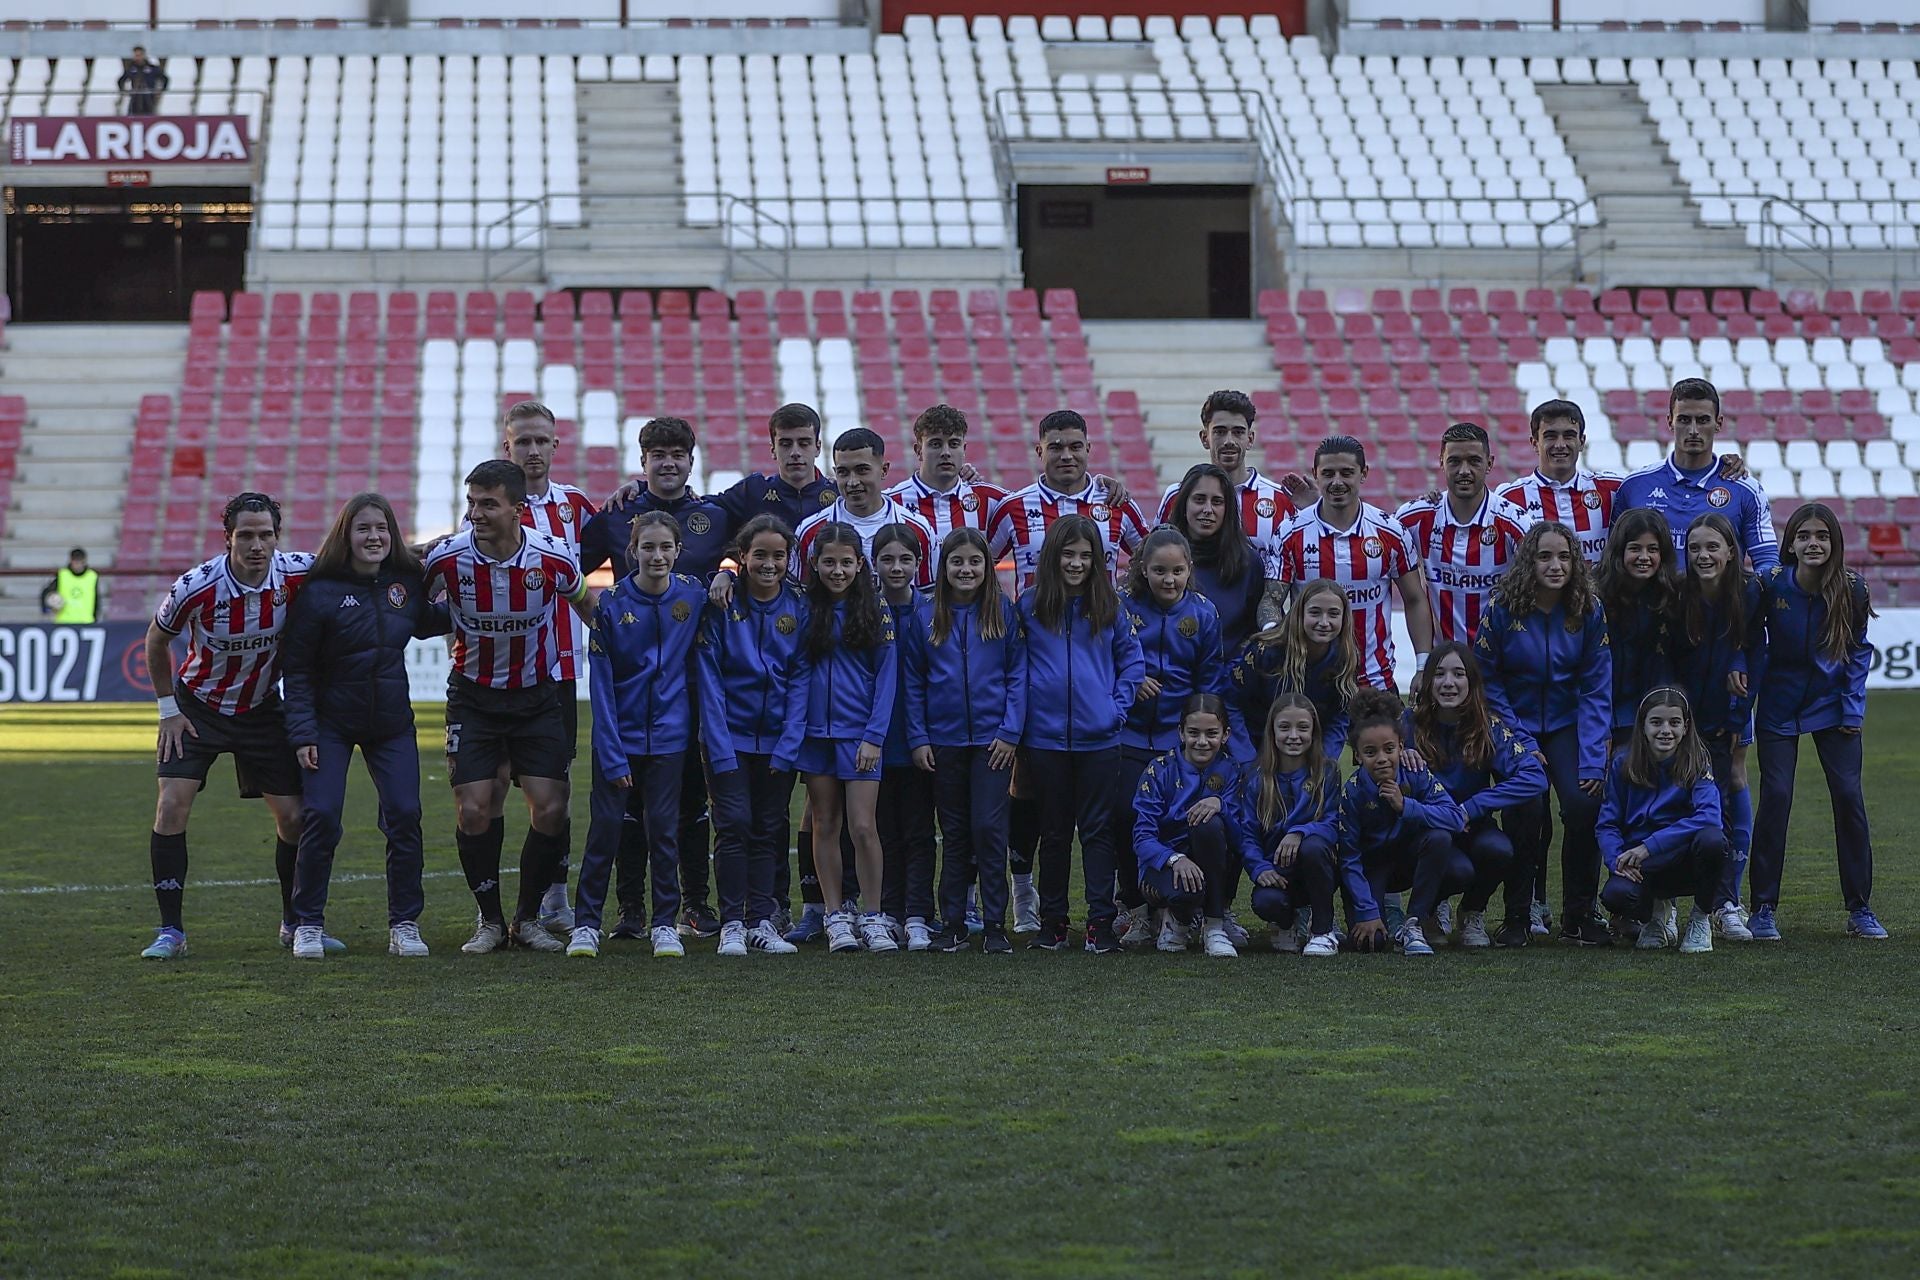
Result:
{"points": [[627, 619], [169, 884], [349, 601], [1659, 494]]}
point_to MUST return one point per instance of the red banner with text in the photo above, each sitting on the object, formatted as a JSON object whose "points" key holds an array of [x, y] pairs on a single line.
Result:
{"points": [[142, 140]]}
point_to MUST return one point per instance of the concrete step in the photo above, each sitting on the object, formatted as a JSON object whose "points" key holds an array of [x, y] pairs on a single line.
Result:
{"points": [[58, 476], [54, 496]]}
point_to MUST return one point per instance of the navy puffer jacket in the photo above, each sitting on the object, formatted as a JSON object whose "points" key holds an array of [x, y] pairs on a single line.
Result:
{"points": [[344, 656]]}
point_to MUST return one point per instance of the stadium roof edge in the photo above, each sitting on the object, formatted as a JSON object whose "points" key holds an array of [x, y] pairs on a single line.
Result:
{"points": [[608, 40], [1544, 42]]}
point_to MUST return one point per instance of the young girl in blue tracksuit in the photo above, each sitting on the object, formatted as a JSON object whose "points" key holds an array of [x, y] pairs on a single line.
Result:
{"points": [[1543, 648], [640, 656], [1178, 630], [1312, 653], [966, 702], [1659, 829], [1717, 652], [843, 692], [1083, 667], [1815, 612], [1190, 830], [748, 654], [1400, 823], [1291, 798], [1639, 587], [905, 813], [1491, 770]]}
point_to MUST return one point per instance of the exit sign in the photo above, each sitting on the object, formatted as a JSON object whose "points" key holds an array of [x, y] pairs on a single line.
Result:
{"points": [[129, 177], [1129, 175]]}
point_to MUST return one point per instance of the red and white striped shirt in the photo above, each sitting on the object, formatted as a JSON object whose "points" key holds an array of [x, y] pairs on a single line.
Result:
{"points": [[1464, 558], [233, 631], [1020, 523], [965, 506], [562, 512], [1265, 508], [1584, 504], [1366, 559], [801, 562], [502, 609]]}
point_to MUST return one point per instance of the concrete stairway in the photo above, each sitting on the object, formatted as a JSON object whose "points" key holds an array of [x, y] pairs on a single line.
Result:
{"points": [[1174, 365], [82, 384]]}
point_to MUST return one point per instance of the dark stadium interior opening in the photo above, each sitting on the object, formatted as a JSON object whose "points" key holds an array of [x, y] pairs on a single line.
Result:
{"points": [[1182, 252], [105, 255]]}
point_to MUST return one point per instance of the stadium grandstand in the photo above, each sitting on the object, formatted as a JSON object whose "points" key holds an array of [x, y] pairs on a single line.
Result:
{"points": [[341, 241]]}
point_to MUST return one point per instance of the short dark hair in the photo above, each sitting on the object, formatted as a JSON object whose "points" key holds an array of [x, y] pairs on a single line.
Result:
{"points": [[1227, 402], [1061, 420], [860, 438], [496, 473], [1461, 432], [1693, 389], [251, 501], [1340, 444], [528, 410], [794, 417], [77, 551], [939, 419], [1552, 410], [667, 433]]}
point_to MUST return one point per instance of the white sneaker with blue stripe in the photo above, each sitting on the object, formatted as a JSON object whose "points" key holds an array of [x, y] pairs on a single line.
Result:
{"points": [[1864, 924], [168, 944]]}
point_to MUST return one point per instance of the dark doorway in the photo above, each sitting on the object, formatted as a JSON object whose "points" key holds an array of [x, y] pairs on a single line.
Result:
{"points": [[101, 255], [1142, 252]]}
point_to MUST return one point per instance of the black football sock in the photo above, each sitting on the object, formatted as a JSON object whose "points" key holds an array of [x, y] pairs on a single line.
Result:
{"points": [[285, 856], [1023, 834], [168, 855], [480, 860], [538, 854], [809, 876], [566, 846]]}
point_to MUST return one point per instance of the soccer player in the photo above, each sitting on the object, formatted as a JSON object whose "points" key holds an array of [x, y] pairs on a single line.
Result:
{"points": [[1560, 488], [1020, 523], [1691, 482], [937, 491], [502, 581], [223, 700], [1466, 535], [859, 472], [1366, 551], [796, 489]]}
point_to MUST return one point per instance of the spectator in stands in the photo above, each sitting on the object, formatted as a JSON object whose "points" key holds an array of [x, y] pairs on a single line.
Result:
{"points": [[73, 596], [143, 82], [1691, 482], [1466, 536]]}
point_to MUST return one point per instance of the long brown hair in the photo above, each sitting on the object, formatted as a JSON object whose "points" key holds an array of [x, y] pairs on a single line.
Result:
{"points": [[1475, 729], [1230, 549], [1727, 597], [989, 606], [1690, 761], [1847, 612], [335, 557], [1620, 593], [1346, 653], [1520, 585], [1099, 602], [1269, 796], [863, 627]]}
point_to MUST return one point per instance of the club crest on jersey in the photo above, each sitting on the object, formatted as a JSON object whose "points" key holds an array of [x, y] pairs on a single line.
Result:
{"points": [[785, 624], [1263, 508], [1098, 511], [1591, 498], [1189, 627], [968, 502], [682, 611], [1488, 537], [535, 579], [827, 497], [1215, 782], [280, 594], [397, 595], [566, 511], [698, 523], [1371, 546], [1718, 497]]}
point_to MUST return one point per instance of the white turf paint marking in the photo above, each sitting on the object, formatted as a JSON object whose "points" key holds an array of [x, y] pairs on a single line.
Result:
{"points": [[356, 878]]}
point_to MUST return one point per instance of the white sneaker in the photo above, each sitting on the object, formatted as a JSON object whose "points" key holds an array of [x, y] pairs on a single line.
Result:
{"points": [[919, 938], [1139, 930], [1443, 920], [666, 942], [1289, 940], [585, 942], [1173, 934], [487, 936], [1699, 936], [555, 914], [1026, 905], [765, 937], [1539, 919], [404, 940], [1215, 942], [1656, 932], [1413, 939], [307, 944], [1236, 934], [1322, 944], [529, 934], [733, 939], [876, 934], [1473, 930], [1729, 925], [840, 935]]}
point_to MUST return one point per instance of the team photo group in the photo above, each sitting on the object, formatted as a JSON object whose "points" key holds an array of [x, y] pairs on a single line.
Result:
{"points": [[1191, 694]]}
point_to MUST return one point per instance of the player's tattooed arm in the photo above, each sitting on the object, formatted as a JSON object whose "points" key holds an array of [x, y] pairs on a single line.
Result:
{"points": [[1272, 609]]}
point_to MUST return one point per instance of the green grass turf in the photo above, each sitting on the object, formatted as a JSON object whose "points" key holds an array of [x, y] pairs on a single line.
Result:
{"points": [[1602, 1114]]}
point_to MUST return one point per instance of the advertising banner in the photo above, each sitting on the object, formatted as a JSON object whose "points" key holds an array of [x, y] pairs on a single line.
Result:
{"points": [[131, 140]]}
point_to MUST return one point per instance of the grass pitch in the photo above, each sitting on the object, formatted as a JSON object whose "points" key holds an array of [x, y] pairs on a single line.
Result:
{"points": [[1752, 1112]]}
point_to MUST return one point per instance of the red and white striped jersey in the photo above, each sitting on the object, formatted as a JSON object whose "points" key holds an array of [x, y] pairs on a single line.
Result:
{"points": [[1265, 508], [1584, 504], [1366, 559], [233, 631], [965, 506], [1020, 523], [563, 511], [1464, 558], [502, 609], [801, 562]]}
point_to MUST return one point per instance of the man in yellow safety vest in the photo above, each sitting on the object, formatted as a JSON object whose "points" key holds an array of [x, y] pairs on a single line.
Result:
{"points": [[74, 595]]}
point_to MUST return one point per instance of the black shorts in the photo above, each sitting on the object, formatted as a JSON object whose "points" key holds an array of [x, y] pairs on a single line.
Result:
{"points": [[263, 761], [522, 728], [570, 716]]}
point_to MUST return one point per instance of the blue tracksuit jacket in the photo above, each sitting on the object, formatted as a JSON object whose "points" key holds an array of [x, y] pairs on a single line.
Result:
{"points": [[1181, 648], [1170, 786], [1310, 815], [640, 659], [1512, 776], [1802, 689], [1080, 685], [1702, 669], [896, 752], [1542, 678], [1640, 646], [749, 655], [1661, 818], [770, 495], [965, 691], [846, 696], [1254, 681], [704, 534], [1367, 823]]}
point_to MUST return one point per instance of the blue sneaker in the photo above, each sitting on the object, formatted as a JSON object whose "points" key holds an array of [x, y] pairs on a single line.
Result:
{"points": [[975, 925], [812, 926], [1862, 924], [168, 944], [1760, 924], [329, 944], [1392, 914]]}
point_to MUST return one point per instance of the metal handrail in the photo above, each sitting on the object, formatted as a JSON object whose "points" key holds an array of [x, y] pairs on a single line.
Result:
{"points": [[1772, 229], [1578, 228], [515, 229], [1309, 212]]}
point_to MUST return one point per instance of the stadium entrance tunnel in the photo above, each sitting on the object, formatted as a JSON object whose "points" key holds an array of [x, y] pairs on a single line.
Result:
{"points": [[94, 254], [1140, 252]]}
